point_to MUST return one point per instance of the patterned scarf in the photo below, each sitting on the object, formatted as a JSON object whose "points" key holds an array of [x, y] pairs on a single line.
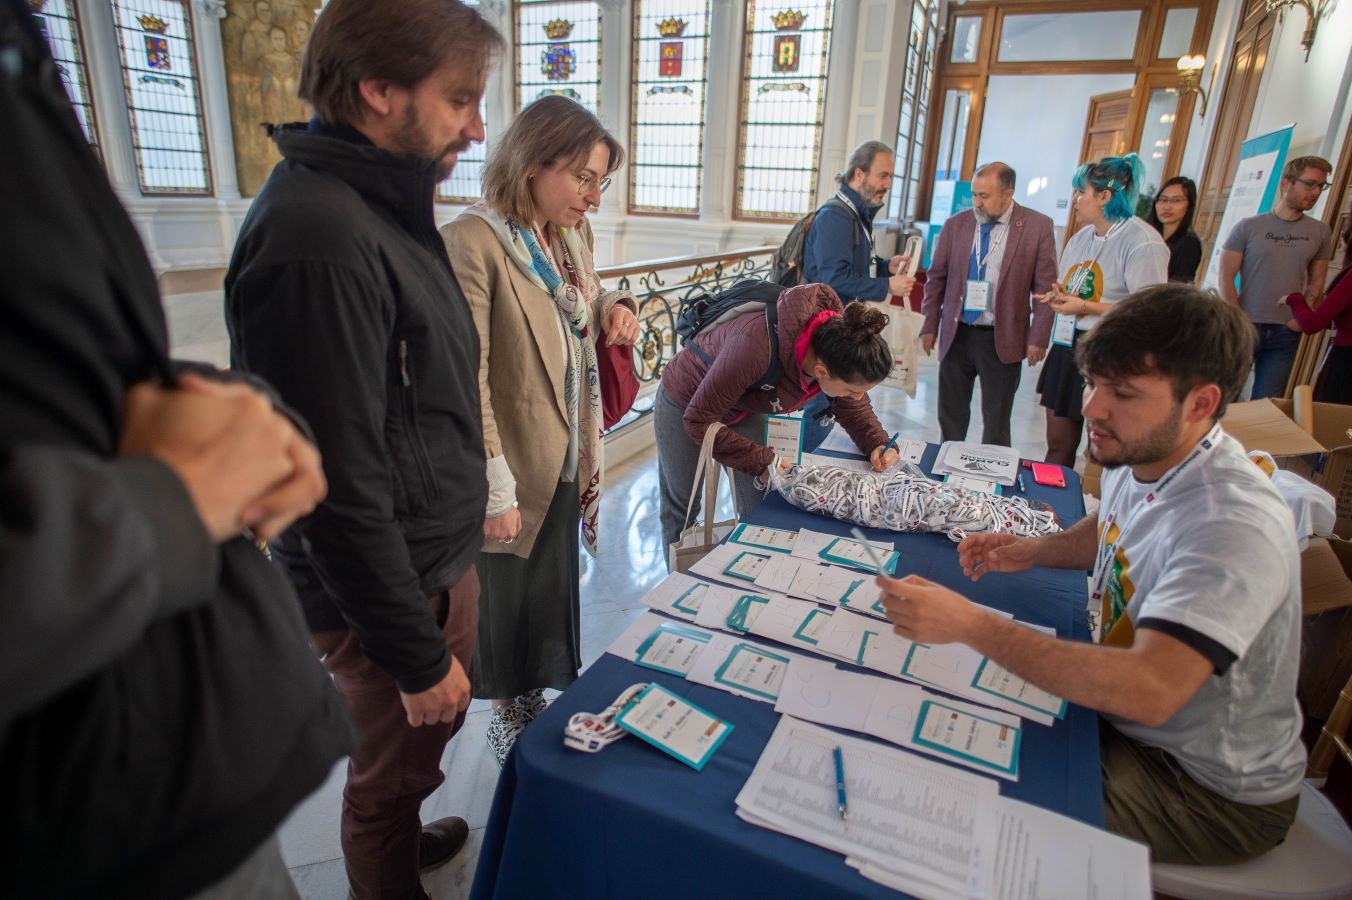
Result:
{"points": [[573, 291]]}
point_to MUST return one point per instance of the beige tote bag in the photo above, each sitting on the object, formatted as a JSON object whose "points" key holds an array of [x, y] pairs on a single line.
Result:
{"points": [[701, 537]]}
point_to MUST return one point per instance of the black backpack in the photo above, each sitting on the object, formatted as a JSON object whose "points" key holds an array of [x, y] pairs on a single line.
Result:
{"points": [[786, 266], [705, 311]]}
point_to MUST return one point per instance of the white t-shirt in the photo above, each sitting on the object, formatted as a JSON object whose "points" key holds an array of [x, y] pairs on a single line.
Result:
{"points": [[1207, 554], [1130, 257]]}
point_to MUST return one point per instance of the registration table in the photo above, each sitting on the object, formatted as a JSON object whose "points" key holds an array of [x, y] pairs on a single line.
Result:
{"points": [[631, 821]]}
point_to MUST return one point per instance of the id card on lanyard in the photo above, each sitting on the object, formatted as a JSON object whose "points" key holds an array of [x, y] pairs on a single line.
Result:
{"points": [[978, 296], [1063, 332], [1111, 603], [784, 435]]}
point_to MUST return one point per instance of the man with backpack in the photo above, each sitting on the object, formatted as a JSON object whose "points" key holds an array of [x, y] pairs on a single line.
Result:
{"points": [[838, 250]]}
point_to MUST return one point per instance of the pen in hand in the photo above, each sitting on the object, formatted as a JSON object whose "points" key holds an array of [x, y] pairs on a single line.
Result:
{"points": [[868, 548]]}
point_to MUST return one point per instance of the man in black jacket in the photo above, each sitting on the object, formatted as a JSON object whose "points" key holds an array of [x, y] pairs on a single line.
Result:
{"points": [[160, 712], [340, 294]]}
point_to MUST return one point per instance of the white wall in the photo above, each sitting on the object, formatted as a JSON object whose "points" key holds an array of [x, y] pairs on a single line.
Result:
{"points": [[1035, 123]]}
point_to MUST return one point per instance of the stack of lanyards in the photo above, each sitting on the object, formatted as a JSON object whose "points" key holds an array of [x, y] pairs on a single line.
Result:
{"points": [[902, 502]]}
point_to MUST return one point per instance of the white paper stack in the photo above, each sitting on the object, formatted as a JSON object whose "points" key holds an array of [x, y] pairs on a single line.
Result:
{"points": [[985, 461]]}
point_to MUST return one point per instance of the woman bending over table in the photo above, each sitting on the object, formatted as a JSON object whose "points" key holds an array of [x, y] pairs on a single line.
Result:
{"points": [[823, 349]]}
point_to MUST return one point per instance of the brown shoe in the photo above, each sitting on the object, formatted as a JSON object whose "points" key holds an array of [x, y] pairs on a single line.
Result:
{"points": [[441, 840]]}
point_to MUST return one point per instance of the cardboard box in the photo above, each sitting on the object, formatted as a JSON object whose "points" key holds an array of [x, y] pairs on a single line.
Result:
{"points": [[1326, 632], [1333, 471]]}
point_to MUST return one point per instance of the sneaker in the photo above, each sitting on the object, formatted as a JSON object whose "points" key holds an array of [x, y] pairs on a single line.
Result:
{"points": [[504, 728], [440, 841], [533, 702]]}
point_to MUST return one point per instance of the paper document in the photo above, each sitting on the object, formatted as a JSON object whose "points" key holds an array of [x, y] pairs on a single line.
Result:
{"points": [[924, 820], [741, 667], [994, 463], [764, 538], [680, 595], [817, 691], [674, 725], [839, 441], [1041, 854], [832, 548]]}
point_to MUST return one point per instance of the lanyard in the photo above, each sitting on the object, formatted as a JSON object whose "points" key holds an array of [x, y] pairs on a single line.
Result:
{"points": [[1105, 552], [981, 261], [868, 230], [1077, 277]]}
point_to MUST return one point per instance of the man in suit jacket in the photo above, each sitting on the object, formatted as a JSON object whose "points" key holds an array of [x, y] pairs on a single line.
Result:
{"points": [[987, 263]]}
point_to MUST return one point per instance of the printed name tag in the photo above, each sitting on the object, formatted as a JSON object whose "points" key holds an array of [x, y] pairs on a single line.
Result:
{"points": [[1063, 332], [784, 435], [978, 296]]}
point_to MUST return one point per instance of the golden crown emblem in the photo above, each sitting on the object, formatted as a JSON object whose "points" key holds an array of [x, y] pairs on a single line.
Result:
{"points": [[153, 24], [789, 20], [558, 29], [672, 27]]}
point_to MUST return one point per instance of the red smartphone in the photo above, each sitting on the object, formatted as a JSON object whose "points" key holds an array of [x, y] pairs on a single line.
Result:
{"points": [[1049, 475]]}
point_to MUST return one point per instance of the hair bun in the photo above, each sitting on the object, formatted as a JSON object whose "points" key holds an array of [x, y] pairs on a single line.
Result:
{"points": [[863, 321]]}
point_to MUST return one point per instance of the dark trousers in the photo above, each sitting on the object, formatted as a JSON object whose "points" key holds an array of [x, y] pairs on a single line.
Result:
{"points": [[1272, 361], [396, 766], [971, 356]]}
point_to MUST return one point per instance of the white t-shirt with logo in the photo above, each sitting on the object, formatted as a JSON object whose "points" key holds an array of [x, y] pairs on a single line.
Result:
{"points": [[1128, 258], [1209, 556]]}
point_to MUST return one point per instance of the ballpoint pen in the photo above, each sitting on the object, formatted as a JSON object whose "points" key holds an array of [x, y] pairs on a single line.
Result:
{"points": [[868, 548], [841, 803], [891, 442]]}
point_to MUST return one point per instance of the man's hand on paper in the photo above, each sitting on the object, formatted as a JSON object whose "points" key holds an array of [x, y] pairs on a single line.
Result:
{"points": [[981, 554]]}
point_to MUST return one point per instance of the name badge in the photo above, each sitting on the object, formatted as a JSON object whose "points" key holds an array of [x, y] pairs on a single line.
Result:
{"points": [[784, 435], [1063, 332], [978, 296]]}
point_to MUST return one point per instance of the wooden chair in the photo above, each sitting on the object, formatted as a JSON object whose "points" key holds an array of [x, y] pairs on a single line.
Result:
{"points": [[1315, 860]]}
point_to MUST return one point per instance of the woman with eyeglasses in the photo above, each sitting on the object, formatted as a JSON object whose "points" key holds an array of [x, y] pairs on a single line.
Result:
{"points": [[523, 257], [1112, 255], [1171, 214]]}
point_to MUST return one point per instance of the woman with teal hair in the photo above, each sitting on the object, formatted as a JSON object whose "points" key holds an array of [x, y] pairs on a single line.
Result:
{"points": [[1112, 255]]}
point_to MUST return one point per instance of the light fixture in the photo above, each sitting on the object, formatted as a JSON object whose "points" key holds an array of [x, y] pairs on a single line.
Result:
{"points": [[1314, 11], [1190, 79]]}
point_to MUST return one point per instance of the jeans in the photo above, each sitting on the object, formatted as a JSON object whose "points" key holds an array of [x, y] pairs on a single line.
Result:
{"points": [[1277, 346], [677, 460]]}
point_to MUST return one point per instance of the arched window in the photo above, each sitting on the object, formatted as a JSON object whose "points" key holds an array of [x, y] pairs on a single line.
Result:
{"points": [[558, 51], [59, 22]]}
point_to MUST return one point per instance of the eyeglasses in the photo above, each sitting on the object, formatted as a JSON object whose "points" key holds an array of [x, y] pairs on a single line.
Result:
{"points": [[1314, 185], [587, 183], [1171, 201]]}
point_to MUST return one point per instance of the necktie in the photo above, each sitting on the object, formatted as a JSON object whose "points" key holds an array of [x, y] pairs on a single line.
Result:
{"points": [[974, 269]]}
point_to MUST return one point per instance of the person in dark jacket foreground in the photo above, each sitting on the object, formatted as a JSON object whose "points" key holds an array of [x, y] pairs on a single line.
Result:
{"points": [[341, 295], [160, 710]]}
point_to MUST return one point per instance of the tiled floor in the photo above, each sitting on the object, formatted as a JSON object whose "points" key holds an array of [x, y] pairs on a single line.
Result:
{"points": [[630, 561]]}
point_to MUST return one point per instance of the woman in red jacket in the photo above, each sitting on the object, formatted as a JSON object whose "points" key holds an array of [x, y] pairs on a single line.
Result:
{"points": [[823, 349], [1336, 309]]}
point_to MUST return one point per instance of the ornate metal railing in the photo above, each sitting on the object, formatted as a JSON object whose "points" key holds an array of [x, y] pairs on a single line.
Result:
{"points": [[661, 286]]}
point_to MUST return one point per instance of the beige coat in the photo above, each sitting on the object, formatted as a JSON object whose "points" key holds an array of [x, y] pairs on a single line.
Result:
{"points": [[521, 366]]}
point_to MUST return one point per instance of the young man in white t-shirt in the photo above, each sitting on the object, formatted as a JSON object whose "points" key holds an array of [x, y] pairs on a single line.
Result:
{"points": [[1195, 579]]}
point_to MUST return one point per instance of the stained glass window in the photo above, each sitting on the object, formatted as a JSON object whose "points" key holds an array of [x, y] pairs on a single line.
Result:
{"points": [[783, 92], [558, 51], [159, 71], [465, 184], [59, 23], [917, 83], [671, 49]]}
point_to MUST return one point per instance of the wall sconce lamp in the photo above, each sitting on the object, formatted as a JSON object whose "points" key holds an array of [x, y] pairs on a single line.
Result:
{"points": [[1190, 79], [1314, 10]]}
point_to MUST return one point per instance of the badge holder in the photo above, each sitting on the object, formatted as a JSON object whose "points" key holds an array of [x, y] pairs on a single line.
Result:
{"points": [[593, 732]]}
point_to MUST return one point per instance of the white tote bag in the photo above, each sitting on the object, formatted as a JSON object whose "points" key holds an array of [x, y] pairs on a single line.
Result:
{"points": [[698, 539], [903, 336]]}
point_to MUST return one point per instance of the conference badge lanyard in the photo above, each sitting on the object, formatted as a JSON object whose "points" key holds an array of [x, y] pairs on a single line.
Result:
{"points": [[784, 435], [978, 296], [1106, 552], [868, 231], [1063, 332]]}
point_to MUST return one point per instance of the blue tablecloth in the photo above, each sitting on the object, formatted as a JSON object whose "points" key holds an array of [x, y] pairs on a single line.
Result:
{"points": [[633, 822]]}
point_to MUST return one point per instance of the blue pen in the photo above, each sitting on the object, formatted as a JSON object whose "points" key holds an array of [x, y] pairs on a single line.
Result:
{"points": [[892, 442], [840, 784], [1023, 488]]}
